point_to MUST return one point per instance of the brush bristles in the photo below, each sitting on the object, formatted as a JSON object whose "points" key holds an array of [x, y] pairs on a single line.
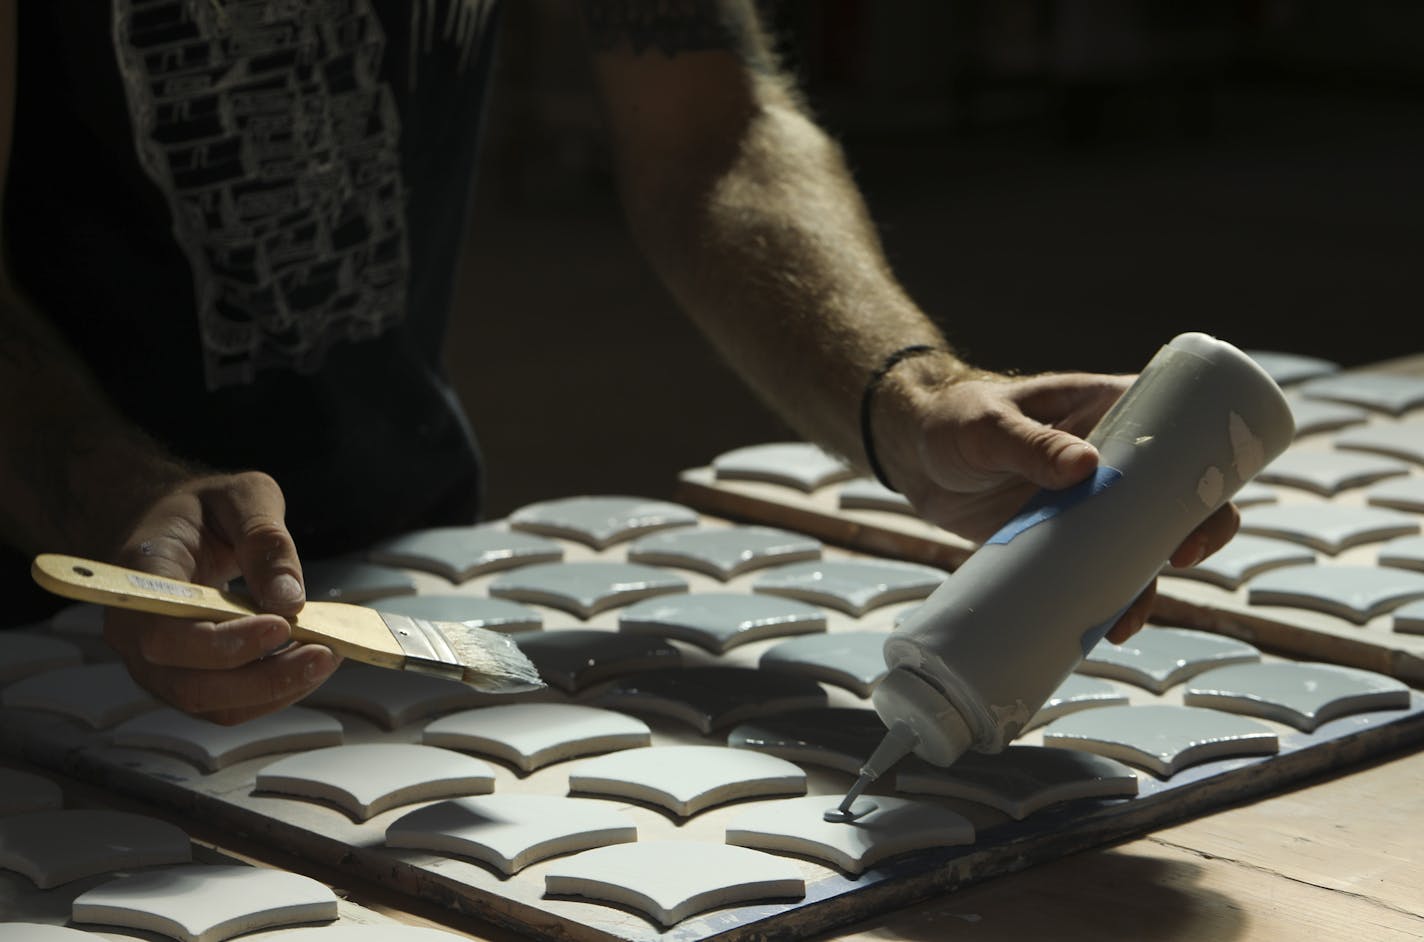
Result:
{"points": [[491, 661]]}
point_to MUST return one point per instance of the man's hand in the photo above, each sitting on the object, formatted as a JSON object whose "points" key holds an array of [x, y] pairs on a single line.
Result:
{"points": [[209, 530]]}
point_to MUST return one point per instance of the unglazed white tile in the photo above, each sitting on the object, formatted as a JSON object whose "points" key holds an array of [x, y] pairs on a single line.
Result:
{"points": [[23, 654], [1162, 738], [1330, 472], [870, 494], [1252, 493], [1405, 552], [600, 521], [586, 587], [98, 695], [391, 698], [850, 659], [510, 832], [531, 735], [1074, 694], [1303, 695], [358, 932], [723, 552], [1355, 593], [23, 792], [719, 621], [671, 880], [1329, 528], [895, 826], [211, 746], [1288, 368], [461, 553], [55, 847], [1384, 392], [1159, 658], [349, 580], [687, 779], [206, 902], [1399, 440], [1244, 557], [1313, 416], [1409, 619], [575, 658], [712, 697], [853, 586], [1398, 494], [1022, 780], [41, 932], [839, 738], [476, 611], [81, 619], [801, 465], [365, 779]]}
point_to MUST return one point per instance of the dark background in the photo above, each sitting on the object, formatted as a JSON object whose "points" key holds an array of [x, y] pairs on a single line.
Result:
{"points": [[1062, 185]]}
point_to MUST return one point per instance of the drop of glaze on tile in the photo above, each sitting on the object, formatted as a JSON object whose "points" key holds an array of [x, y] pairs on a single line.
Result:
{"points": [[853, 586], [1329, 472], [870, 494], [1244, 557], [1162, 738], [839, 738], [391, 698], [1329, 528], [81, 619], [23, 792], [23, 654], [211, 746], [475, 611], [1313, 416], [712, 697], [600, 522], [585, 588], [461, 553], [1022, 780], [1289, 368], [799, 465], [1399, 494], [687, 779], [510, 832], [1381, 391], [1405, 552], [368, 778], [1303, 695], [532, 735], [1409, 619], [854, 660], [1159, 658], [55, 847], [895, 826], [1074, 694], [719, 621], [671, 880], [206, 902], [98, 695], [1355, 593], [575, 658], [724, 552]]}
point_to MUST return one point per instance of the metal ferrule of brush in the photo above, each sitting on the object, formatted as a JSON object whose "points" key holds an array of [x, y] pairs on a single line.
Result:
{"points": [[425, 648]]}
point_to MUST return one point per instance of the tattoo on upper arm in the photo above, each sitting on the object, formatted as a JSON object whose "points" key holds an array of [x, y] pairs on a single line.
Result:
{"points": [[677, 26]]}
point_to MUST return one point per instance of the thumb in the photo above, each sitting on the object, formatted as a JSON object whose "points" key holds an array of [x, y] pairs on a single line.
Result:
{"points": [[1046, 456], [249, 510]]}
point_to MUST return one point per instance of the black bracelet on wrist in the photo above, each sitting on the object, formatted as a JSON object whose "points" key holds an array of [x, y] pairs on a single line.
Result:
{"points": [[867, 397]]}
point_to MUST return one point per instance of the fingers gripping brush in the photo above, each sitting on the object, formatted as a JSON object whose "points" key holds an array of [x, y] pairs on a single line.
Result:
{"points": [[972, 664], [479, 657]]}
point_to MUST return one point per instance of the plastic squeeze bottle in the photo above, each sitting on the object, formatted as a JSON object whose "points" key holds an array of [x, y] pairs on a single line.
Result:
{"points": [[972, 664]]}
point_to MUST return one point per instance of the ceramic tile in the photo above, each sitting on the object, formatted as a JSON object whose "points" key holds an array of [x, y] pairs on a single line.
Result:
{"points": [[1329, 472], [853, 586], [671, 880], [1385, 392], [1355, 593], [206, 902], [687, 779], [42, 932], [850, 659], [510, 832], [1313, 416], [22, 792], [1244, 557], [839, 738], [1301, 695], [1399, 440], [723, 552], [1329, 528], [573, 659], [23, 654], [81, 619], [98, 695], [870, 494], [895, 826], [359, 932], [1409, 619], [601, 521], [1405, 552], [461, 553], [1253, 493], [1289, 368], [585, 588], [210, 746], [801, 465], [368, 778], [531, 735], [1398, 494], [391, 698], [349, 580], [1162, 738], [1159, 658], [477, 611], [712, 697], [1022, 780], [719, 621], [55, 847], [1074, 694]]}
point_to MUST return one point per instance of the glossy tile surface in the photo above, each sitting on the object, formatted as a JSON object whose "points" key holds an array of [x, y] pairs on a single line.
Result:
{"points": [[687, 779], [1398, 494], [710, 698], [477, 611], [850, 659], [531, 735], [388, 697], [461, 553], [1289, 368], [1329, 528], [839, 738], [723, 552], [1076, 693], [853, 586], [575, 658], [1385, 392], [1246, 556], [1158, 658], [210, 746], [1405, 552], [1313, 416], [368, 778], [870, 494], [671, 880], [1403, 440], [57, 846], [1355, 593], [22, 792], [600, 521], [719, 621], [801, 465], [1022, 780], [509, 832], [1303, 695], [1329, 472], [97, 695], [585, 588], [23, 654], [1162, 738]]}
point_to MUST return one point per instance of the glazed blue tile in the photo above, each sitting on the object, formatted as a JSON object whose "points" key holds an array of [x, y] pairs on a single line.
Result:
{"points": [[1399, 440], [461, 553], [854, 660], [1329, 528], [1329, 472], [719, 621], [840, 738], [1244, 557], [798, 465], [1162, 738], [1355, 593], [1289, 368], [870, 494], [723, 552], [573, 659], [1076, 693], [587, 587], [1384, 392], [600, 521], [1398, 494], [1313, 416], [1157, 659], [1405, 552], [1022, 780], [853, 586], [1302, 695]]}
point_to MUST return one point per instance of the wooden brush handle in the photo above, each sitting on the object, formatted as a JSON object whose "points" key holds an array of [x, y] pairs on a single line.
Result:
{"points": [[117, 587]]}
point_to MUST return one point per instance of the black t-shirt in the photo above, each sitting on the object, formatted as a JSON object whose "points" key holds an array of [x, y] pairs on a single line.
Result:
{"points": [[244, 215]]}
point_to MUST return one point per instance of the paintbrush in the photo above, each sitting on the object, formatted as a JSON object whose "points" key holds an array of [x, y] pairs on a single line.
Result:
{"points": [[481, 658]]}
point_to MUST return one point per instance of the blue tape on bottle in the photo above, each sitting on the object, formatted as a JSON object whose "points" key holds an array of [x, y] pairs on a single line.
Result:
{"points": [[1046, 505]]}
